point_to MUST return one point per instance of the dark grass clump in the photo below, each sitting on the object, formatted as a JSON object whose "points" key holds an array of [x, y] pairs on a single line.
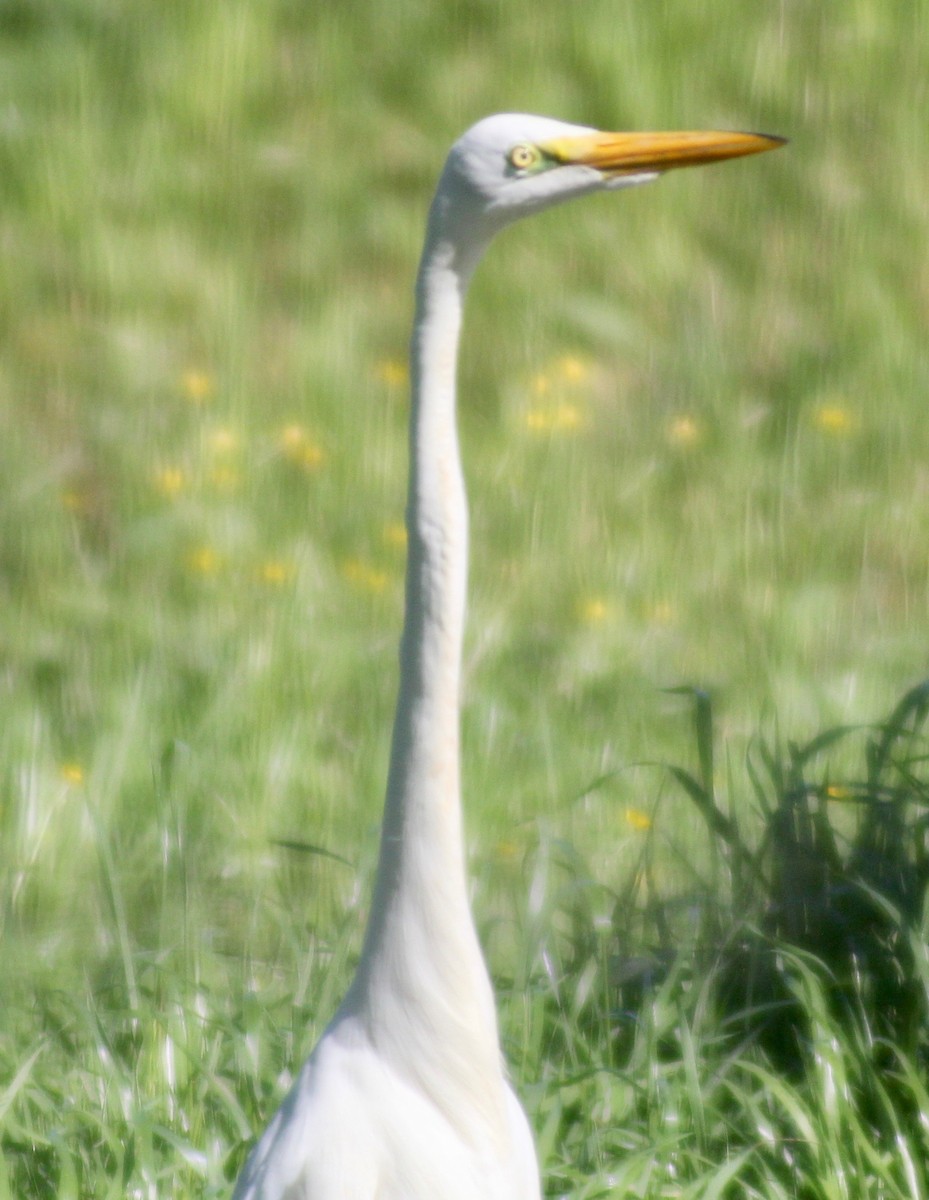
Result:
{"points": [[827, 928], [766, 1027], [839, 874]]}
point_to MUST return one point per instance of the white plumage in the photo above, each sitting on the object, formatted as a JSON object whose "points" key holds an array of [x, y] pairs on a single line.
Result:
{"points": [[406, 1096]]}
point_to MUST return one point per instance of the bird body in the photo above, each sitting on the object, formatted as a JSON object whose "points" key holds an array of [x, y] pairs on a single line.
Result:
{"points": [[356, 1126], [406, 1096]]}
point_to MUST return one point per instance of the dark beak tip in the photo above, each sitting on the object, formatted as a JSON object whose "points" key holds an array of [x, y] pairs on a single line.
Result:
{"points": [[774, 138]]}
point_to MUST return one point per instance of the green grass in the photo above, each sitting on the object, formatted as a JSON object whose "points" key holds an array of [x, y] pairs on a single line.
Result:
{"points": [[694, 422]]}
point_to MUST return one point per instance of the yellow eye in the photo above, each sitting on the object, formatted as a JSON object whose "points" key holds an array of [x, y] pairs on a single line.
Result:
{"points": [[524, 157]]}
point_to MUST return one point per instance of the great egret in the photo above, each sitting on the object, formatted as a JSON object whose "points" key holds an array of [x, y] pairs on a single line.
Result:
{"points": [[405, 1096]]}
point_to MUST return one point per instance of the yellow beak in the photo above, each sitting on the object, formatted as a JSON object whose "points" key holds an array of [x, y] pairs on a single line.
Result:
{"points": [[639, 153]]}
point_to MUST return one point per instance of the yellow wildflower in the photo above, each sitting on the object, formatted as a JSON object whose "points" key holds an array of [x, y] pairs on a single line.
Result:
{"points": [[75, 500], [204, 560], [311, 456], [662, 613], [684, 431], [550, 411], [72, 773], [364, 576], [170, 481], [198, 386], [560, 418], [835, 791], [835, 420], [298, 447], [276, 572], [594, 610], [392, 371], [223, 440], [395, 534], [640, 821], [291, 438], [572, 369], [540, 384]]}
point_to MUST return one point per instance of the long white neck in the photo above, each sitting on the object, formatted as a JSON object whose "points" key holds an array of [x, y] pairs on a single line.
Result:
{"points": [[422, 986]]}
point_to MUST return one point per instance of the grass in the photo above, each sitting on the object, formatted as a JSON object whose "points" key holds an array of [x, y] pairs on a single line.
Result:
{"points": [[693, 422]]}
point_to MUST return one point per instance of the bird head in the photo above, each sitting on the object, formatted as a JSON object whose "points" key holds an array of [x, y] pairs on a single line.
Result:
{"points": [[511, 165]]}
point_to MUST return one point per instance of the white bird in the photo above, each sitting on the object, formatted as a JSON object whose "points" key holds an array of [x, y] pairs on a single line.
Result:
{"points": [[406, 1096]]}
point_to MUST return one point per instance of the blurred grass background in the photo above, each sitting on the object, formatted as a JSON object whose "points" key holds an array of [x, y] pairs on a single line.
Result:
{"points": [[693, 419]]}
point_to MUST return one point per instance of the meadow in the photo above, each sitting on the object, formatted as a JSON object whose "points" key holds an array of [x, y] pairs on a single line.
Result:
{"points": [[693, 418]]}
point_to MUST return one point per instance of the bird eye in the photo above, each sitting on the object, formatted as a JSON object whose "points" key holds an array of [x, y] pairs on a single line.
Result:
{"points": [[523, 157]]}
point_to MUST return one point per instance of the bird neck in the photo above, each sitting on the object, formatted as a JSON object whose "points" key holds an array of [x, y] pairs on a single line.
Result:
{"points": [[422, 986], [422, 835]]}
